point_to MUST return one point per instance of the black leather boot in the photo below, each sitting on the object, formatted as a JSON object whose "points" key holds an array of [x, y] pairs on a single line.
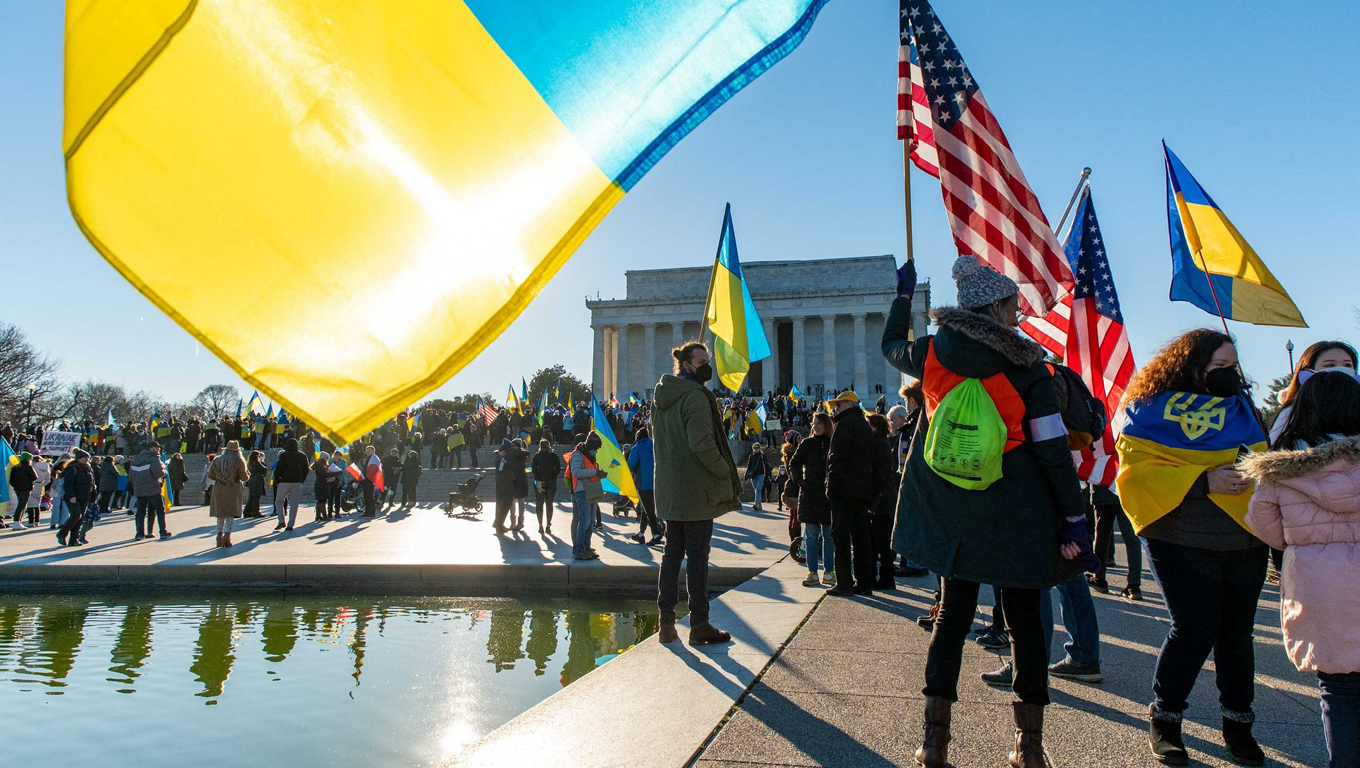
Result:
{"points": [[1164, 737], [1029, 737], [934, 749], [1242, 746]]}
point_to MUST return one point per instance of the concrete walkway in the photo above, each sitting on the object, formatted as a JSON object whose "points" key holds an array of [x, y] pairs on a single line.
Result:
{"points": [[845, 692], [419, 549]]}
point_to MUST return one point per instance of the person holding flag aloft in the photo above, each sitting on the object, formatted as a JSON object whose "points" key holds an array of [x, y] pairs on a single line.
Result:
{"points": [[696, 481], [1007, 512]]}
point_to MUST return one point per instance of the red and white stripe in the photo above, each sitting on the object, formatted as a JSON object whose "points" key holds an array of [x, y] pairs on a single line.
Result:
{"points": [[914, 122], [1097, 348]]}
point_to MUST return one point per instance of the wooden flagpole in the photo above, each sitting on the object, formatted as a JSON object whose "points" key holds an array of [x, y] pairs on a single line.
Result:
{"points": [[906, 191]]}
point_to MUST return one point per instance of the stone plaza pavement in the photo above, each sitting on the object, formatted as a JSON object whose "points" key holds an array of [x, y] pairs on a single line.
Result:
{"points": [[845, 692], [418, 549]]}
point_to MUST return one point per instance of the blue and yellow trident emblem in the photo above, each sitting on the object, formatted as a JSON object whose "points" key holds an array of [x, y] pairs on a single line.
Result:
{"points": [[1197, 422]]}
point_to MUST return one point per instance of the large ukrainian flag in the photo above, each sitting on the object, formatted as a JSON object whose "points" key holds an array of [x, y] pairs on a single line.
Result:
{"points": [[417, 170], [1203, 240], [1168, 441], [738, 336]]}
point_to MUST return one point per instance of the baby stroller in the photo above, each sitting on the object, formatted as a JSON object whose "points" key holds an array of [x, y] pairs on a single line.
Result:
{"points": [[466, 498], [350, 497]]}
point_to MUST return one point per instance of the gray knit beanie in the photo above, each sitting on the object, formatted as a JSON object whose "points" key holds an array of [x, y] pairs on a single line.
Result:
{"points": [[979, 284]]}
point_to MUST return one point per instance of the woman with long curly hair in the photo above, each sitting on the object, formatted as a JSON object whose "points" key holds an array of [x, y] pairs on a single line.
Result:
{"points": [[1186, 418]]}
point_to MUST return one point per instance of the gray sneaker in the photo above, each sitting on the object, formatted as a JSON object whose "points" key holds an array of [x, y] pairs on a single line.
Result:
{"points": [[1001, 678], [1082, 673]]}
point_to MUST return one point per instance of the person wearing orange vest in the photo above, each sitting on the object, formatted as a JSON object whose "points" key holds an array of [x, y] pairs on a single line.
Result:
{"points": [[1023, 532], [585, 476]]}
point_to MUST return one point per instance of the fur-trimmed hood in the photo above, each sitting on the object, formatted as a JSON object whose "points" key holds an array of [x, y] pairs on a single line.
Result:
{"points": [[1277, 466], [1016, 349]]}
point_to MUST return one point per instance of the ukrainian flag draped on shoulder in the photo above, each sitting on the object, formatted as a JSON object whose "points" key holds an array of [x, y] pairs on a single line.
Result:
{"points": [[425, 165], [1206, 248], [610, 457], [1168, 441], [738, 336]]}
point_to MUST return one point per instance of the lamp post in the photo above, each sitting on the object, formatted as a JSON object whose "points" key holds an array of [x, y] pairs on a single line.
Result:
{"points": [[1289, 347], [28, 417]]}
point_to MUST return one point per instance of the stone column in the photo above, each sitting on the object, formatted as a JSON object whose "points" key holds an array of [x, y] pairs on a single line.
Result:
{"points": [[829, 354], [892, 378], [799, 354], [610, 345], [622, 379], [597, 371], [770, 373], [861, 360], [649, 373]]}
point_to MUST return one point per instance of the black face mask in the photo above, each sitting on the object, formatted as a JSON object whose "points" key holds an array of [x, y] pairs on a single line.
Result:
{"points": [[703, 373], [1223, 382]]}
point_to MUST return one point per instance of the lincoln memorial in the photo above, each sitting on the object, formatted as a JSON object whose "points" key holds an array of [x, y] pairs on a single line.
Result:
{"points": [[823, 318]]}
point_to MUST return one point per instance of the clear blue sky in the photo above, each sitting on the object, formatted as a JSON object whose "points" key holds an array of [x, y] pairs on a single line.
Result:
{"points": [[1260, 105]]}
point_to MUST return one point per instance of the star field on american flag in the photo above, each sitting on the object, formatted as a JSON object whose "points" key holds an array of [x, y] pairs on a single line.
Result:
{"points": [[1091, 268], [946, 76]]}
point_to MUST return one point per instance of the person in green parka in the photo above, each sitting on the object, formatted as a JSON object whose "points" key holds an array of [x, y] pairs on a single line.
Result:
{"points": [[696, 482]]}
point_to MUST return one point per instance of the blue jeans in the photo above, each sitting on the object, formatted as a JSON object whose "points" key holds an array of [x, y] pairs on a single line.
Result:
{"points": [[1341, 717], [582, 522], [758, 485], [1079, 617], [818, 547]]}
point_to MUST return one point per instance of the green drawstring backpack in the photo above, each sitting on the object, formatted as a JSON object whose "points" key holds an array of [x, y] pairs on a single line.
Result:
{"points": [[966, 437]]}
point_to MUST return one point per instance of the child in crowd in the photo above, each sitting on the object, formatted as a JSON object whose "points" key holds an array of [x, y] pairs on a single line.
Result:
{"points": [[1306, 504]]}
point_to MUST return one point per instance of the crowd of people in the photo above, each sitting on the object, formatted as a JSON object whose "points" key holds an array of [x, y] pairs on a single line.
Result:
{"points": [[1206, 488]]}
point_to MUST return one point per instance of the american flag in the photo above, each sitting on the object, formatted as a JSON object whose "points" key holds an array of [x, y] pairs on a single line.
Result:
{"points": [[1087, 330], [487, 413], [992, 211]]}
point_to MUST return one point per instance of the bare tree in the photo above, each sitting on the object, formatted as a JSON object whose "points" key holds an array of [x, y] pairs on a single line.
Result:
{"points": [[22, 366], [216, 401]]}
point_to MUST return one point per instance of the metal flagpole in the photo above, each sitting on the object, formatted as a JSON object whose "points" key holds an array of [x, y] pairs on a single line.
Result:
{"points": [[1081, 182]]}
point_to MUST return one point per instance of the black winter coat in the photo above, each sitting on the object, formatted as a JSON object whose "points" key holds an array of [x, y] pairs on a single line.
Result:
{"points": [[852, 462], [1006, 534], [22, 478], [292, 467], [547, 467], [885, 497], [79, 483], [807, 471], [756, 465]]}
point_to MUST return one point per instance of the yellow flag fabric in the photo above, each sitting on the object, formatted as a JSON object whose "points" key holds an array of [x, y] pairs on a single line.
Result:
{"points": [[416, 171]]}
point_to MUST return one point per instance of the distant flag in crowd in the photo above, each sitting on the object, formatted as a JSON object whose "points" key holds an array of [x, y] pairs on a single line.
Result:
{"points": [[542, 407], [254, 404], [610, 457], [481, 181], [487, 413], [269, 414], [1238, 285], [739, 337], [523, 390], [557, 390], [512, 401], [283, 419], [1087, 331], [410, 424], [240, 407], [796, 394], [570, 408], [7, 460], [992, 211], [755, 419], [634, 399], [110, 422]]}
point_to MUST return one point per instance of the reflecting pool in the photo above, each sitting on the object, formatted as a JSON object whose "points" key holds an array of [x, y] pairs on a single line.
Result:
{"points": [[297, 681]]}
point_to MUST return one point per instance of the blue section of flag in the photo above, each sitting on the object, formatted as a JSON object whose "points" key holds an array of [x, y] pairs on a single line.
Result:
{"points": [[1085, 251]]}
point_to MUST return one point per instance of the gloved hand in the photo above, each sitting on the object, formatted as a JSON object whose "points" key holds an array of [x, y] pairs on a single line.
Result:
{"points": [[1074, 531]]}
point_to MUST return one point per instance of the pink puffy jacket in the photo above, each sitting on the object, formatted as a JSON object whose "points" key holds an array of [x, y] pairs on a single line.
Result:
{"points": [[1307, 502]]}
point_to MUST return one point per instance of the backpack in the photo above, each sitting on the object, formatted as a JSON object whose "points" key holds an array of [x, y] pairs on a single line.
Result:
{"points": [[966, 437], [566, 471], [1083, 415]]}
